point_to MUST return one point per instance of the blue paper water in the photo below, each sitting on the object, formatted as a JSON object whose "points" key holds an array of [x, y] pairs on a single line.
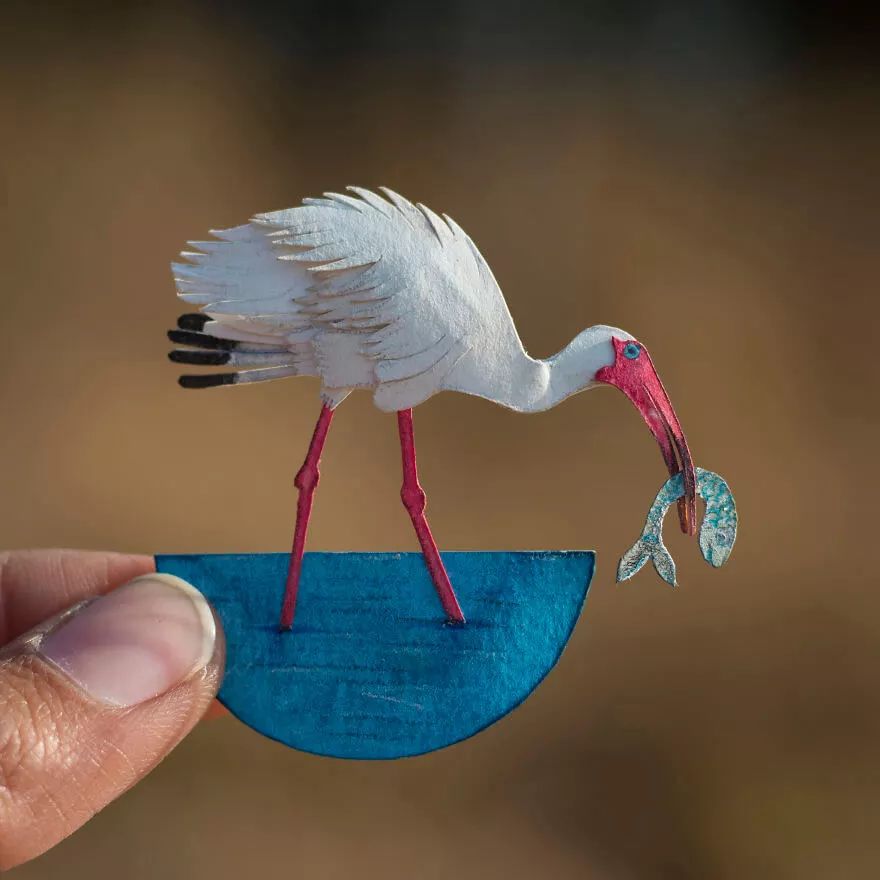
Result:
{"points": [[370, 670]]}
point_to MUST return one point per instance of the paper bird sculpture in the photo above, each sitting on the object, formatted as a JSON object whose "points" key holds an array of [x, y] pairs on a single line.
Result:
{"points": [[369, 292]]}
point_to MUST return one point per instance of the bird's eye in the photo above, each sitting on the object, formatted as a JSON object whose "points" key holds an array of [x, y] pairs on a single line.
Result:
{"points": [[632, 350]]}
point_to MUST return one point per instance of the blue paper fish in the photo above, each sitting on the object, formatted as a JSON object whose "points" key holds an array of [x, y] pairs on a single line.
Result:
{"points": [[717, 533]]}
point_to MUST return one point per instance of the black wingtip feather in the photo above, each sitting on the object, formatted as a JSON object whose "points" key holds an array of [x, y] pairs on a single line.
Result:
{"points": [[193, 321], [202, 358], [208, 381], [201, 340]]}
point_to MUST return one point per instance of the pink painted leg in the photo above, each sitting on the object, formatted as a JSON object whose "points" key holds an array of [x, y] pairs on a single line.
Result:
{"points": [[415, 501], [306, 481]]}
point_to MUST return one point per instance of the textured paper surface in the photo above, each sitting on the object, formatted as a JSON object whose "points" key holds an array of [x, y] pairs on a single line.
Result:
{"points": [[369, 669]]}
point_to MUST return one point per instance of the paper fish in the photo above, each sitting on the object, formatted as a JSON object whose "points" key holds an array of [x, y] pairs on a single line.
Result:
{"points": [[717, 532]]}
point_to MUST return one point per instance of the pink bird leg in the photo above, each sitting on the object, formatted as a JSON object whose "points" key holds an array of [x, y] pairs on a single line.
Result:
{"points": [[415, 501], [306, 481]]}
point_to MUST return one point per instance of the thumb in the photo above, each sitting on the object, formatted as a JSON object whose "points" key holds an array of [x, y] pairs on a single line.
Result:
{"points": [[92, 700]]}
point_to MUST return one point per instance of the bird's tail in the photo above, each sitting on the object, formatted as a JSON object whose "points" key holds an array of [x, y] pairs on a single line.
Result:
{"points": [[250, 316], [270, 358]]}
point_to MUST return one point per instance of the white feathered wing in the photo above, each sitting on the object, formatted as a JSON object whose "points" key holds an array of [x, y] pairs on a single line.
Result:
{"points": [[362, 292]]}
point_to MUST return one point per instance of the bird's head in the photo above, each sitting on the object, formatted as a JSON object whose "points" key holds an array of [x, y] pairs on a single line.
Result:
{"points": [[629, 367]]}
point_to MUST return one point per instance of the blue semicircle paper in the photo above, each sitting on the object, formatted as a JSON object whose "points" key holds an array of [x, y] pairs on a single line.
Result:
{"points": [[370, 670]]}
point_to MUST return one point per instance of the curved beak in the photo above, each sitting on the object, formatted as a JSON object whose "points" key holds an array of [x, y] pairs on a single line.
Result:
{"points": [[657, 411], [641, 384]]}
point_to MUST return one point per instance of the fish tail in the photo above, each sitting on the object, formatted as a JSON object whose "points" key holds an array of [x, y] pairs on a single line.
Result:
{"points": [[632, 561], [664, 564]]}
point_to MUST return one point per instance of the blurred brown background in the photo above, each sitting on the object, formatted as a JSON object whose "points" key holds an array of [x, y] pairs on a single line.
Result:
{"points": [[707, 180]]}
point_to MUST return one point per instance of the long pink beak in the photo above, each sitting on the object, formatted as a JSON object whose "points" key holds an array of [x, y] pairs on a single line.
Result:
{"points": [[657, 411], [639, 381]]}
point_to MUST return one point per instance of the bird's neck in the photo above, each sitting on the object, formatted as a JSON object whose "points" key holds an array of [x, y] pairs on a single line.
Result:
{"points": [[507, 375], [538, 385]]}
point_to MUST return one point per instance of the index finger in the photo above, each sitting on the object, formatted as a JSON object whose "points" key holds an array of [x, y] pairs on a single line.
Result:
{"points": [[37, 584]]}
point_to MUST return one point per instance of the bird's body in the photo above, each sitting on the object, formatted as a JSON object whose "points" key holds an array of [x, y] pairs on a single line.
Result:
{"points": [[370, 293], [375, 293]]}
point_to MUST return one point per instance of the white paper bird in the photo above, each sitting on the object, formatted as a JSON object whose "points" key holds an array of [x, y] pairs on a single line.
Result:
{"points": [[367, 292]]}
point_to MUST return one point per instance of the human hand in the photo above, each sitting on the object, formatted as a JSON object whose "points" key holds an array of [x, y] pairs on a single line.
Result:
{"points": [[94, 690]]}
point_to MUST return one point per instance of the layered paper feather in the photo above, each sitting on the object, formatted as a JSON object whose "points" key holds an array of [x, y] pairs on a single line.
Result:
{"points": [[362, 291]]}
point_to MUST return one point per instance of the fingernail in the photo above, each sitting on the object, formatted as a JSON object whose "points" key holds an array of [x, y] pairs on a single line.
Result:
{"points": [[135, 643]]}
